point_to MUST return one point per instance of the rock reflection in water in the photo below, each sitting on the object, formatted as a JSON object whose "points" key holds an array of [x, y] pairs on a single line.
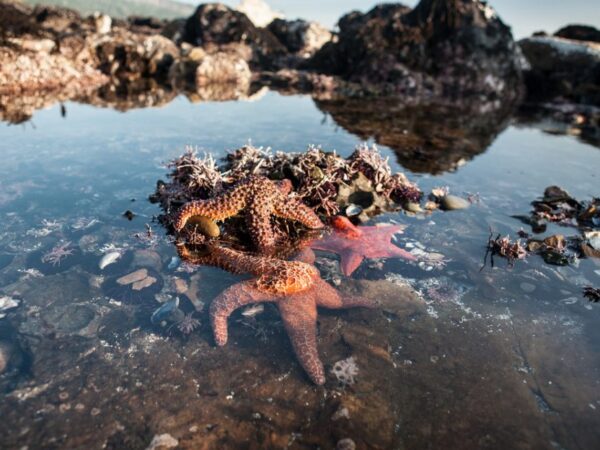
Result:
{"points": [[426, 137]]}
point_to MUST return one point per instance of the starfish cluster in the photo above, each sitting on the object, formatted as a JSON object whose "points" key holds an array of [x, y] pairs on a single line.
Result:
{"points": [[259, 199], [294, 286]]}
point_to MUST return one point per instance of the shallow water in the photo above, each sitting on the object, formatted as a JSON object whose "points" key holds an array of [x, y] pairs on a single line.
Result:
{"points": [[456, 358]]}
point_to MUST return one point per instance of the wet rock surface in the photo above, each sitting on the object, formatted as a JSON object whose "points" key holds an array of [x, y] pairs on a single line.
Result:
{"points": [[152, 384], [215, 23], [300, 37], [440, 48], [562, 69]]}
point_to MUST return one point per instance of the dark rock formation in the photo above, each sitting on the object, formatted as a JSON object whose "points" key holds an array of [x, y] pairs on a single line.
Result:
{"points": [[300, 37], [442, 47], [215, 23], [562, 70], [579, 33]]}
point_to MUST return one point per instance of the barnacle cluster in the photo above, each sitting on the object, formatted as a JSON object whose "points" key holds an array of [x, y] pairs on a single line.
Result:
{"points": [[318, 177]]}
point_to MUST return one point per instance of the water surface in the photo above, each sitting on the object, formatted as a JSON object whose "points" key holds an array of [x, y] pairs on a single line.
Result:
{"points": [[456, 358]]}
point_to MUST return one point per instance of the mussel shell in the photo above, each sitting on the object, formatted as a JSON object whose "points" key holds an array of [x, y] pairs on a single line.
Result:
{"points": [[203, 225]]}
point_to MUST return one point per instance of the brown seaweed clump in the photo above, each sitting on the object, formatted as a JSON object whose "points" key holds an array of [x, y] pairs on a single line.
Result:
{"points": [[592, 294], [505, 248], [558, 207], [325, 181]]}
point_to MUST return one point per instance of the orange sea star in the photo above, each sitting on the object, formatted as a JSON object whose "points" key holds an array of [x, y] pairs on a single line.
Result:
{"points": [[354, 244], [294, 286], [260, 198]]}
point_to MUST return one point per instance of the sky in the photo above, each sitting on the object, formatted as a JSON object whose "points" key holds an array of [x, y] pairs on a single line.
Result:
{"points": [[524, 16]]}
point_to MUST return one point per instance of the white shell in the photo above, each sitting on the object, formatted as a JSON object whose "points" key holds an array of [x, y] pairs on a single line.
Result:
{"points": [[253, 310], [109, 258]]}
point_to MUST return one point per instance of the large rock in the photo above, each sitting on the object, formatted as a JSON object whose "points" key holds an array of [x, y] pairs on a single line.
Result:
{"points": [[214, 23], [452, 47], [202, 66], [562, 70], [300, 37], [129, 56], [32, 58], [579, 33]]}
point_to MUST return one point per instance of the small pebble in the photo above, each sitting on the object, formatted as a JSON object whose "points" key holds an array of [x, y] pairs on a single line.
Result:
{"points": [[413, 207], [180, 285], [452, 202], [4, 356], [345, 444], [162, 441], [527, 287], [341, 413]]}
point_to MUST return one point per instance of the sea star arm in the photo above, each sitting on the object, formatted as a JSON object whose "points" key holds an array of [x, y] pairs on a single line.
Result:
{"points": [[228, 301], [258, 220], [400, 253], [218, 208], [329, 297], [293, 209], [349, 261], [306, 255], [299, 316]]}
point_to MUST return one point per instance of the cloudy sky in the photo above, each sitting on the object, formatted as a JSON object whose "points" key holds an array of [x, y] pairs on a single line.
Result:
{"points": [[524, 16]]}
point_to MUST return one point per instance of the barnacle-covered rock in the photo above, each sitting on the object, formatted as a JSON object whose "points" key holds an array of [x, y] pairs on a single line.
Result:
{"points": [[562, 69], [439, 47], [324, 181], [215, 23], [300, 37]]}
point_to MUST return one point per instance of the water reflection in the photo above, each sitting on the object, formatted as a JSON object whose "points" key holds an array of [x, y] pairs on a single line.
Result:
{"points": [[426, 138]]}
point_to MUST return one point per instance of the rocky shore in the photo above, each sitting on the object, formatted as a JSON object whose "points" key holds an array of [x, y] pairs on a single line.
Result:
{"points": [[452, 54]]}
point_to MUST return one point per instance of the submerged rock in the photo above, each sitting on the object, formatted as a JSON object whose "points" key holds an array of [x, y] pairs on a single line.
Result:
{"points": [[141, 284], [7, 303], [4, 357]]}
